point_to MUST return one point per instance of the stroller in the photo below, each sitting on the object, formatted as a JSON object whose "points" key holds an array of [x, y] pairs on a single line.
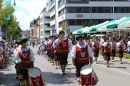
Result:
{"points": [[41, 49]]}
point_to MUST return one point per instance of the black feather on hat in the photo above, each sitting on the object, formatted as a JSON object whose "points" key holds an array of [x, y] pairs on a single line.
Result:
{"points": [[61, 32], [78, 37], [23, 40]]}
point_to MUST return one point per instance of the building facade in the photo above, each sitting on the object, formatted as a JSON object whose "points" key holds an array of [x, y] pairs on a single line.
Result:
{"points": [[45, 29], [76, 12]]}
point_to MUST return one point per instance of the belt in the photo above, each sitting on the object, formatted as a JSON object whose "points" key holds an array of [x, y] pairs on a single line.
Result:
{"points": [[82, 58], [26, 61]]}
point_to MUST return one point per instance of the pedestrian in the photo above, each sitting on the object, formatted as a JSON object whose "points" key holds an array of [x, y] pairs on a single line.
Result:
{"points": [[33, 44], [65, 45], [96, 47], [120, 47], [81, 54], [107, 49], [113, 49]]}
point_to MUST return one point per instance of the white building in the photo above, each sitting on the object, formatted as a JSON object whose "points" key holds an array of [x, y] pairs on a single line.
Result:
{"points": [[45, 29], [76, 12]]}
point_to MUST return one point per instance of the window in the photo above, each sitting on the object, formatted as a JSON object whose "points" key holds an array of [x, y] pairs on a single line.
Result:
{"points": [[86, 10], [127, 9], [70, 1], [47, 32], [41, 33], [100, 9], [47, 18], [85, 1], [94, 9], [122, 10], [41, 19], [71, 22], [85, 20], [71, 10], [78, 1], [47, 25], [107, 9], [79, 22], [78, 10], [116, 10], [41, 26]]}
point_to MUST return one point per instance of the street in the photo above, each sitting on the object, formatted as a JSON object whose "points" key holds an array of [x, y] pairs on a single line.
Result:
{"points": [[116, 75]]}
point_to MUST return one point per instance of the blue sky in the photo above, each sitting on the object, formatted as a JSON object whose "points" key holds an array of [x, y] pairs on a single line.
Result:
{"points": [[27, 10]]}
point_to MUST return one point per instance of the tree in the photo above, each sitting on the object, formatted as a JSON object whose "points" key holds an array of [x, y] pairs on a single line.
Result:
{"points": [[88, 24]]}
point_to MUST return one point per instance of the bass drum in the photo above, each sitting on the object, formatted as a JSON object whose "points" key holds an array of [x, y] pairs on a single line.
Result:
{"points": [[35, 77], [86, 75]]}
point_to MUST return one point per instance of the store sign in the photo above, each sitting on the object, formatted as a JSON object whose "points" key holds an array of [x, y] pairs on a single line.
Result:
{"points": [[79, 16]]}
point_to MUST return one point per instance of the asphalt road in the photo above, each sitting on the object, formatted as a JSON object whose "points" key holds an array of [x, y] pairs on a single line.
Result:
{"points": [[116, 75]]}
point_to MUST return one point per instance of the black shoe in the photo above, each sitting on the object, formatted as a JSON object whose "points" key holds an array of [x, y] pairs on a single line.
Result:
{"points": [[63, 73]]}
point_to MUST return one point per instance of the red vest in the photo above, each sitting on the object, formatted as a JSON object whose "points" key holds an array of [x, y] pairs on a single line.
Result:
{"points": [[64, 46], [25, 57], [107, 48], [121, 47], [96, 46], [82, 54], [15, 46], [113, 46], [57, 48]]}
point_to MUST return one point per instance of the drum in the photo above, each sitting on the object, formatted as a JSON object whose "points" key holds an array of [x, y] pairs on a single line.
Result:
{"points": [[35, 77], [86, 75]]}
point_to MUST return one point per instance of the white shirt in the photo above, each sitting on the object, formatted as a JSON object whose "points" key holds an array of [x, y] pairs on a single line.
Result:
{"points": [[118, 44], [73, 51], [128, 43], [17, 58], [56, 42]]}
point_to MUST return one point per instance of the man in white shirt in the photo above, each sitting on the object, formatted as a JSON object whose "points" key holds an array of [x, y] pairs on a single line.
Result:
{"points": [[24, 58], [120, 47], [65, 45], [81, 55]]}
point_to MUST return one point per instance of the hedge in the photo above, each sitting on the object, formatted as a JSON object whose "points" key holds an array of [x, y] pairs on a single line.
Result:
{"points": [[126, 55]]}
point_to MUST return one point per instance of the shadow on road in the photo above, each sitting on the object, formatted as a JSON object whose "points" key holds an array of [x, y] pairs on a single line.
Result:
{"points": [[57, 78], [8, 80]]}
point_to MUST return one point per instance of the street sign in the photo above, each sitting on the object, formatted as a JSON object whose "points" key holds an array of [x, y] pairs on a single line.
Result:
{"points": [[68, 29]]}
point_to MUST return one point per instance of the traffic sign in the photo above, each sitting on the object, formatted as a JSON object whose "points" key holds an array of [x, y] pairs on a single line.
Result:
{"points": [[68, 29]]}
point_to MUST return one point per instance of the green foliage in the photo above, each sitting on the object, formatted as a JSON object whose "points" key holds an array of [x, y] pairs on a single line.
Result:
{"points": [[88, 24], [10, 27], [28, 36]]}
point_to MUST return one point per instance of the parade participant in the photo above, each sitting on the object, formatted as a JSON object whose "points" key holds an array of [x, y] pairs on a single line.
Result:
{"points": [[49, 48], [81, 55], [24, 58], [52, 49], [89, 42], [120, 47], [65, 45], [113, 50], [56, 52], [101, 42], [107, 50], [95, 48]]}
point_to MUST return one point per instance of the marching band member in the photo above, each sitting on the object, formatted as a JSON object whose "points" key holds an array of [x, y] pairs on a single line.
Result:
{"points": [[49, 49], [101, 42], [81, 55], [24, 58], [113, 50], [96, 47], [120, 47], [89, 42], [65, 45], [107, 50]]}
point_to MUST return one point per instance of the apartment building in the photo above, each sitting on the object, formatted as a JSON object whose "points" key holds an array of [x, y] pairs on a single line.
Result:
{"points": [[76, 12], [45, 29]]}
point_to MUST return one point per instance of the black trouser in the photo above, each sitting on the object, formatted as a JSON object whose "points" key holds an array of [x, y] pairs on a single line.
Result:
{"points": [[24, 72], [63, 58], [78, 68]]}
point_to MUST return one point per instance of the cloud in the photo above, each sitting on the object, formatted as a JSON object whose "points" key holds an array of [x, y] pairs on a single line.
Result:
{"points": [[28, 10]]}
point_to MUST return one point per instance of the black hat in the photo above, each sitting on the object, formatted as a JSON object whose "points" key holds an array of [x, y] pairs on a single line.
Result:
{"points": [[61, 32], [53, 36], [77, 38], [23, 40]]}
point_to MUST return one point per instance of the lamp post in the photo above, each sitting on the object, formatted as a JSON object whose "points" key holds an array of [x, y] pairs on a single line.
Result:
{"points": [[91, 13], [113, 10], [14, 3]]}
